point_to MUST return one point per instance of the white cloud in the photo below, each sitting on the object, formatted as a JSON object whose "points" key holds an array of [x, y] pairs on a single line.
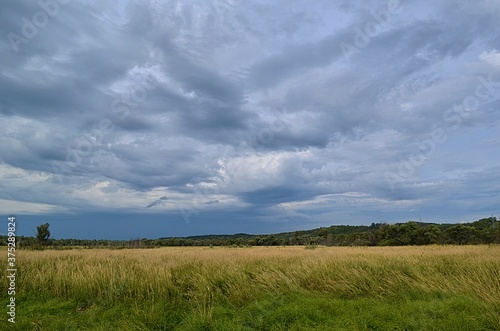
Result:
{"points": [[491, 58], [13, 207]]}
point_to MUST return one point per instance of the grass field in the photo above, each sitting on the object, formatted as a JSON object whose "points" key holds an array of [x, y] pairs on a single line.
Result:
{"points": [[258, 288]]}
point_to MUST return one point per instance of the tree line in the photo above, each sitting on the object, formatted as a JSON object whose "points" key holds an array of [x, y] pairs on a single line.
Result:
{"points": [[483, 231]]}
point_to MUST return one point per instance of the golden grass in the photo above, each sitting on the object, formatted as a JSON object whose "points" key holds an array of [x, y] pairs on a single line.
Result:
{"points": [[201, 275]]}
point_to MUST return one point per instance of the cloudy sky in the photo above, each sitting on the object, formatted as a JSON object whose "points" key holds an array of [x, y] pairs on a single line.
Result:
{"points": [[126, 119]]}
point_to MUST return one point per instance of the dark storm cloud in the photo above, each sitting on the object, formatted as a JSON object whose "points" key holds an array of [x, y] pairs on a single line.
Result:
{"points": [[157, 202], [132, 123], [295, 58], [276, 195], [250, 111]]}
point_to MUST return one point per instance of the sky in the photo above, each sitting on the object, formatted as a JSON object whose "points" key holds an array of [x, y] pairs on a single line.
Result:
{"points": [[147, 119]]}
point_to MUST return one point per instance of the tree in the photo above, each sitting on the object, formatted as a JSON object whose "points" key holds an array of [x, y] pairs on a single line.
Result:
{"points": [[461, 234], [409, 233], [428, 235], [43, 233], [323, 233], [298, 237]]}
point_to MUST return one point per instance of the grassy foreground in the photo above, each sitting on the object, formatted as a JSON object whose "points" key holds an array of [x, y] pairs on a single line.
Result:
{"points": [[258, 288]]}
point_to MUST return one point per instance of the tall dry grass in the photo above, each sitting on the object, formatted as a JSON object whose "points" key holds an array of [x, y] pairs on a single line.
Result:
{"points": [[201, 276]]}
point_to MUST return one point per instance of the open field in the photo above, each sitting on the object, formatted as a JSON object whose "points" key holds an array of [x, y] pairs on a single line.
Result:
{"points": [[259, 288]]}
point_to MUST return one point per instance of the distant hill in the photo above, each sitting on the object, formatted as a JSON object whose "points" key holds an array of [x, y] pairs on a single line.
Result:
{"points": [[410, 233], [483, 231]]}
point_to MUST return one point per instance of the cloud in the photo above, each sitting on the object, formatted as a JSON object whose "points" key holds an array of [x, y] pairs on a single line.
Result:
{"points": [[157, 202], [492, 57], [250, 112]]}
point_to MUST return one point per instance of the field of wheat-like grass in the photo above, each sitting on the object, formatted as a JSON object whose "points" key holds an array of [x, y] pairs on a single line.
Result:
{"points": [[260, 288]]}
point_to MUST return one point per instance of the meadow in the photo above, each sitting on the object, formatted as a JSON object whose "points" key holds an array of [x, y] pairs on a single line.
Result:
{"points": [[258, 288]]}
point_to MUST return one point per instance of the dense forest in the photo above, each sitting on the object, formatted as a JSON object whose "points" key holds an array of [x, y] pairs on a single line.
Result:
{"points": [[483, 231]]}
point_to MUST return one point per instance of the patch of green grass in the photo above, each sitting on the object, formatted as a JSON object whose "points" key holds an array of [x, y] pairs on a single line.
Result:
{"points": [[320, 312], [304, 311]]}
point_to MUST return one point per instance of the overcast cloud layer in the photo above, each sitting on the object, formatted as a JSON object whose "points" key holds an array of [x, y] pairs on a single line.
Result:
{"points": [[124, 119]]}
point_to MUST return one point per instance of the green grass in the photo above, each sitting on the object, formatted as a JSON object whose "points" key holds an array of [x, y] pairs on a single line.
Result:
{"points": [[404, 288]]}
